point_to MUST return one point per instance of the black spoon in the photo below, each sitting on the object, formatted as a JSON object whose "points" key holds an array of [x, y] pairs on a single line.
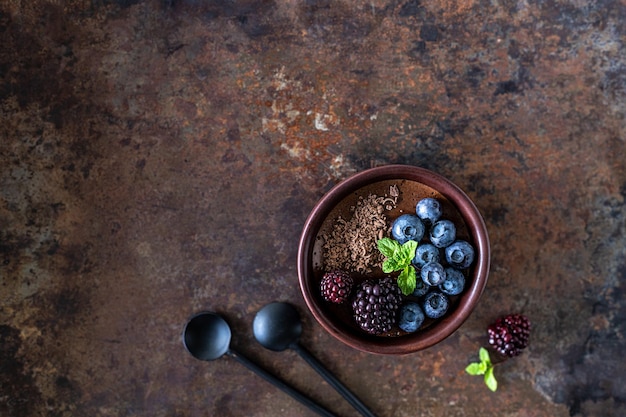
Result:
{"points": [[277, 326], [207, 337]]}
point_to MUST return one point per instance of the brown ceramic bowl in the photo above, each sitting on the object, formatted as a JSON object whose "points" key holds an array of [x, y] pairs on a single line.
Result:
{"points": [[414, 184]]}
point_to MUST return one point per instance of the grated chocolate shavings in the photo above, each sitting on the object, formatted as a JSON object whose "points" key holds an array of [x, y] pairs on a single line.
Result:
{"points": [[351, 245]]}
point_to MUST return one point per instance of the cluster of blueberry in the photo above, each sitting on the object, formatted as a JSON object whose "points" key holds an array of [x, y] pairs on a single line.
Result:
{"points": [[440, 259]]}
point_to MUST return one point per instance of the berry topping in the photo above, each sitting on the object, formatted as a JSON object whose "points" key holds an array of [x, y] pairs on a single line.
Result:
{"points": [[433, 273], [509, 334], [336, 286], [425, 252], [460, 254], [429, 210], [376, 304], [443, 233], [411, 317], [407, 227], [421, 288], [435, 305], [454, 282]]}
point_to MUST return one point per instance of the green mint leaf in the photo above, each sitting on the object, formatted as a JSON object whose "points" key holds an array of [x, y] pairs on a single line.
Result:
{"points": [[484, 355], [483, 367], [407, 252], [490, 380], [407, 280], [399, 257], [395, 263], [387, 246], [474, 369], [390, 265]]}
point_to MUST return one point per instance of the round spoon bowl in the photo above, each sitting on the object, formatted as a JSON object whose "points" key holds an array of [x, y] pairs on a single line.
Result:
{"points": [[413, 183], [207, 336], [277, 326]]}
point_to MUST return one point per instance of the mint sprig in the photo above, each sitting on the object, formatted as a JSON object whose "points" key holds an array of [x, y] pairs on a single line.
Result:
{"points": [[398, 258], [484, 367]]}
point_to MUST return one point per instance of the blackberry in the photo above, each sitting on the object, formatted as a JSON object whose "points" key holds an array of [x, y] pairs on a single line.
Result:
{"points": [[336, 286], [509, 334], [376, 304]]}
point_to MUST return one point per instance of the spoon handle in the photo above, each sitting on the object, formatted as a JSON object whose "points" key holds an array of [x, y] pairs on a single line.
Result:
{"points": [[279, 383], [332, 380]]}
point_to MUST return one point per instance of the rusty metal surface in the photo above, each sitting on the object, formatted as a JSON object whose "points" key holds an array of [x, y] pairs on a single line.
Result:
{"points": [[159, 158]]}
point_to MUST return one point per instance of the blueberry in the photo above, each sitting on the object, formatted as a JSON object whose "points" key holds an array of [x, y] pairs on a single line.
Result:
{"points": [[411, 317], [407, 227], [442, 233], [435, 305], [426, 252], [460, 254], [429, 210], [421, 288], [454, 282], [433, 273]]}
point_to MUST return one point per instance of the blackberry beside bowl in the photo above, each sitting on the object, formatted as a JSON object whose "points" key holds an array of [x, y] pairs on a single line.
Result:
{"points": [[411, 184]]}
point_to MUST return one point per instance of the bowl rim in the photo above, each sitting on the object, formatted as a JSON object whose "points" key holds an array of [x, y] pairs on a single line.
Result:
{"points": [[467, 302]]}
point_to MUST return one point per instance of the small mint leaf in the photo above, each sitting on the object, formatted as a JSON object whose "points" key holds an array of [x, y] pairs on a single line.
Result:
{"points": [[490, 380], [474, 369], [407, 280], [390, 265], [407, 252], [387, 246], [484, 355]]}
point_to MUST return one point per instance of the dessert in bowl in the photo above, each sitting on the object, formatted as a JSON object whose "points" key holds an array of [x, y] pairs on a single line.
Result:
{"points": [[341, 264]]}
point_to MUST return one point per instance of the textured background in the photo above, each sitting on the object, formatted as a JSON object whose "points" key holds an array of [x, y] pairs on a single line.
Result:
{"points": [[160, 157]]}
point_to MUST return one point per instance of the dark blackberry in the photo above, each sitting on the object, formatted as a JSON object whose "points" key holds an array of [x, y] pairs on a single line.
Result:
{"points": [[336, 286], [376, 304], [509, 334]]}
